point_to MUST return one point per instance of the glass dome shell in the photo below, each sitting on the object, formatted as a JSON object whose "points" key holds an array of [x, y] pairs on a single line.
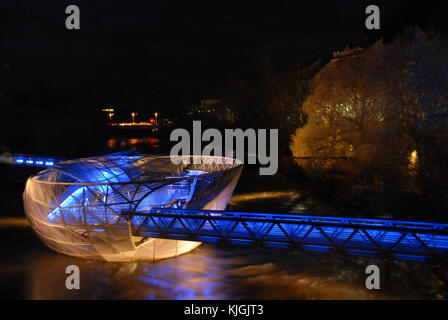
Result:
{"points": [[89, 207]]}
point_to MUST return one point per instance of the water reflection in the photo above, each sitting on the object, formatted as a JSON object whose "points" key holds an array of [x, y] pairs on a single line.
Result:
{"points": [[206, 273], [31, 270], [14, 222], [132, 143], [255, 196]]}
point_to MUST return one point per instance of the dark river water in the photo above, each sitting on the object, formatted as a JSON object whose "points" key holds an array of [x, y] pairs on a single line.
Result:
{"points": [[30, 270]]}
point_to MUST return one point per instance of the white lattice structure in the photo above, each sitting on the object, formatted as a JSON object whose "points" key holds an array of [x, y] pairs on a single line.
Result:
{"points": [[85, 207]]}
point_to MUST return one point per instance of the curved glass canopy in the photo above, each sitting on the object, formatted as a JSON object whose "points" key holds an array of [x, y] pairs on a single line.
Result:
{"points": [[89, 207]]}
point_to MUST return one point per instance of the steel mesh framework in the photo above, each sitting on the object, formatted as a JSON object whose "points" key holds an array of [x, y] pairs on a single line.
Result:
{"points": [[85, 207], [403, 240], [129, 208]]}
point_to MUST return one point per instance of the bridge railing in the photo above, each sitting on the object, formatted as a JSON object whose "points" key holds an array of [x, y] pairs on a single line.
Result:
{"points": [[406, 240]]}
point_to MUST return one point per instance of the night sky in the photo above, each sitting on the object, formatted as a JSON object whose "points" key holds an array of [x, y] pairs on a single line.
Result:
{"points": [[149, 51]]}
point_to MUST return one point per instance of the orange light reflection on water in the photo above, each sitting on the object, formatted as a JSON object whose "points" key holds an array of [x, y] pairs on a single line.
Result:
{"points": [[132, 142]]}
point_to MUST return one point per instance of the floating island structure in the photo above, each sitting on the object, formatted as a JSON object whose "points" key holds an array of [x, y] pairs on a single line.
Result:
{"points": [[89, 207]]}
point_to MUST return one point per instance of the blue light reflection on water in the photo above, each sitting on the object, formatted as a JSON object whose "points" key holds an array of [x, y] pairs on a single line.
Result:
{"points": [[214, 272], [207, 279], [201, 278]]}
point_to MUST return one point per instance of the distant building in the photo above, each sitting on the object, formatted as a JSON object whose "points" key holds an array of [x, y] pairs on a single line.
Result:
{"points": [[347, 52], [211, 109]]}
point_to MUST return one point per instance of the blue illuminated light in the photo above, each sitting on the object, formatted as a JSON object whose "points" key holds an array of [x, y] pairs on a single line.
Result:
{"points": [[194, 173], [30, 160], [404, 240], [101, 193], [70, 201], [90, 207]]}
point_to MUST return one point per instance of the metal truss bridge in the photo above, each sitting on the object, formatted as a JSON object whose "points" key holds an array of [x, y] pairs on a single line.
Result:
{"points": [[403, 240]]}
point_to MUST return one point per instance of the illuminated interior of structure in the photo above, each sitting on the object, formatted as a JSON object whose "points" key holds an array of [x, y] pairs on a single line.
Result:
{"points": [[86, 207]]}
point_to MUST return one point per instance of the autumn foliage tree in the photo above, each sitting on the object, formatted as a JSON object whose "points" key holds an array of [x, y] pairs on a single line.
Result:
{"points": [[345, 115], [377, 118]]}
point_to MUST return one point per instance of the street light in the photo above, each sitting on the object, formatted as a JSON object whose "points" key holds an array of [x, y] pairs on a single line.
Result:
{"points": [[156, 114], [110, 116], [133, 114]]}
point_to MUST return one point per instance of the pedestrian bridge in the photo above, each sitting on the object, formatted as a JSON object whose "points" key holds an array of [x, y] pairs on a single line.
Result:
{"points": [[404, 240]]}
